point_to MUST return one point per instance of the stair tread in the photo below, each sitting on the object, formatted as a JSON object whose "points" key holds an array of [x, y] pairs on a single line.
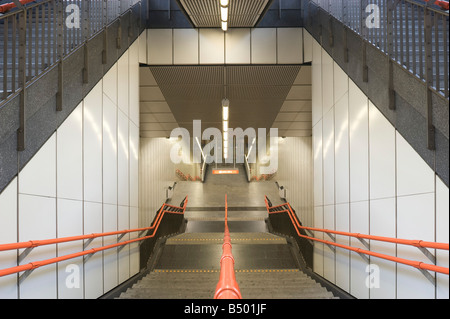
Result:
{"points": [[200, 284], [217, 238]]}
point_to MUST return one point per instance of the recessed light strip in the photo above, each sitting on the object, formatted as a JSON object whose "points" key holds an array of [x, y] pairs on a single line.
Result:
{"points": [[224, 11], [225, 120]]}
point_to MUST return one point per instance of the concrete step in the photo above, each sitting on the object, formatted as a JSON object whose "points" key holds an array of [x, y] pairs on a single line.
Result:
{"points": [[258, 284], [217, 238]]}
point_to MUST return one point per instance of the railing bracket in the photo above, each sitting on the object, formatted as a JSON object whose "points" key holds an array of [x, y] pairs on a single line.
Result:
{"points": [[24, 254], [427, 275], [24, 276], [363, 256], [365, 243], [428, 254], [331, 247], [87, 243], [87, 257], [333, 238]]}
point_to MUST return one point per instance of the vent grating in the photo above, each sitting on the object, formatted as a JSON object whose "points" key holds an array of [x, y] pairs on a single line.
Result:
{"points": [[206, 13], [256, 92]]}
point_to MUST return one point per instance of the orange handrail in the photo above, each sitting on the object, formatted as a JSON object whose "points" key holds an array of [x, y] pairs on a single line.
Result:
{"points": [[36, 243], [8, 6], [227, 287], [443, 4], [416, 243]]}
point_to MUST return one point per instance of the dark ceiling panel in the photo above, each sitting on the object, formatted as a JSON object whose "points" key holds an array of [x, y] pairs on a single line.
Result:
{"points": [[206, 13], [256, 93]]}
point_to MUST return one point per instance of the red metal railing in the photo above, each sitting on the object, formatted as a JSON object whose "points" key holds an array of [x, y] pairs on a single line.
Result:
{"points": [[165, 209], [443, 4], [8, 6], [227, 288], [286, 208]]}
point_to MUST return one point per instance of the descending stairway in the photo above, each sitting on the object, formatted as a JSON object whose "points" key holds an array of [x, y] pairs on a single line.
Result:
{"points": [[189, 265]]}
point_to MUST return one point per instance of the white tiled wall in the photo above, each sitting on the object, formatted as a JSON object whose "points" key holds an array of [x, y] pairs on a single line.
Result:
{"points": [[295, 159], [213, 46], [442, 234], [83, 180], [155, 177], [368, 179], [237, 46], [8, 234]]}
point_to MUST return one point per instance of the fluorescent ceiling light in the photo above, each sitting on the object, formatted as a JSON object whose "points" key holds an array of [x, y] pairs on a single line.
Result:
{"points": [[225, 113], [224, 3], [225, 109], [225, 136], [224, 13], [225, 126], [224, 26]]}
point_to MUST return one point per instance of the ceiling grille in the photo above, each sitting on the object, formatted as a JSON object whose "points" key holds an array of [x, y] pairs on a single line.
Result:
{"points": [[245, 13], [206, 13], [256, 93]]}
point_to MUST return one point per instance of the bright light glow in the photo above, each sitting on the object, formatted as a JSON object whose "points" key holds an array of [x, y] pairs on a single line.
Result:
{"points": [[225, 136], [225, 113], [224, 26], [200, 146], [224, 3], [225, 126], [224, 13], [251, 147]]}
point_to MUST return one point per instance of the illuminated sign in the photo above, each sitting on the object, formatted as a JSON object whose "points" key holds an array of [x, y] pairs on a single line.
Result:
{"points": [[225, 171]]}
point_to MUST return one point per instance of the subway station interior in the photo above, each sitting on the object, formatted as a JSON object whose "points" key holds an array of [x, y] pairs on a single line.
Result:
{"points": [[224, 149]]}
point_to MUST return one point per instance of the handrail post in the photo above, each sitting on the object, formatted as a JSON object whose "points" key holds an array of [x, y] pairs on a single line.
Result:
{"points": [[59, 16], [22, 74], [429, 76], [390, 7]]}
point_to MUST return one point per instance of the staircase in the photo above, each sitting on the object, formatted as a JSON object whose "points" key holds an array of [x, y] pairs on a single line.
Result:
{"points": [[189, 265]]}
